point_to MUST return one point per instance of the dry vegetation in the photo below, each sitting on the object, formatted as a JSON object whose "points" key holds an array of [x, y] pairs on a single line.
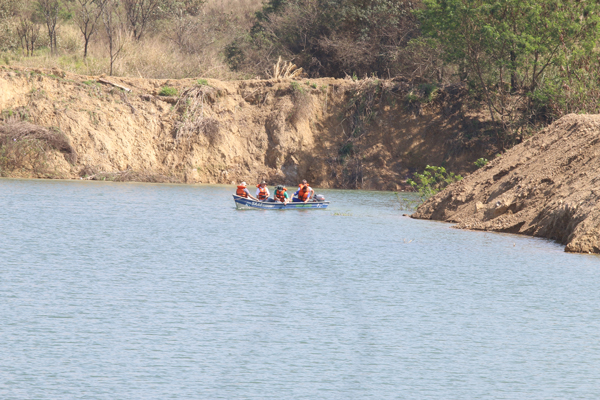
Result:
{"points": [[25, 146], [181, 43]]}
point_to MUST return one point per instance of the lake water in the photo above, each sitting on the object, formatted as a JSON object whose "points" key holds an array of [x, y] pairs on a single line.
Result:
{"points": [[141, 291]]}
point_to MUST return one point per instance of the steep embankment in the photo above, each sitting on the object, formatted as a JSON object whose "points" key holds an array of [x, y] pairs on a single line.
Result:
{"points": [[336, 133], [548, 186]]}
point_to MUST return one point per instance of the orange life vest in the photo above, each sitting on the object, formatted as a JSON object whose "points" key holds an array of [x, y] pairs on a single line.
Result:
{"points": [[262, 192], [280, 194], [241, 192], [303, 192]]}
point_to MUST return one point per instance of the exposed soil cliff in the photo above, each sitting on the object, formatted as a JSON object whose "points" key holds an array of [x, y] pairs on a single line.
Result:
{"points": [[548, 186], [335, 133]]}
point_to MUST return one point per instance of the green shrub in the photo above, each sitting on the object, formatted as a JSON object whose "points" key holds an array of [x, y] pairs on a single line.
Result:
{"points": [[481, 162], [167, 91], [432, 180], [411, 98], [202, 82], [296, 87], [429, 90], [346, 150]]}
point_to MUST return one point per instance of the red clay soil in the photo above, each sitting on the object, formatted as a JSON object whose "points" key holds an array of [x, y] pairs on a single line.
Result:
{"points": [[547, 186]]}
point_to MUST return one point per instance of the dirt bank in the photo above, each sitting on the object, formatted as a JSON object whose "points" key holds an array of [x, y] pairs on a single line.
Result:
{"points": [[337, 133], [548, 186]]}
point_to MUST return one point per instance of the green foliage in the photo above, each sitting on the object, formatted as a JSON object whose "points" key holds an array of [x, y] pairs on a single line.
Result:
{"points": [[481, 162], [526, 59], [432, 180], [202, 82], [423, 93], [429, 90], [296, 87], [346, 150], [167, 91]]}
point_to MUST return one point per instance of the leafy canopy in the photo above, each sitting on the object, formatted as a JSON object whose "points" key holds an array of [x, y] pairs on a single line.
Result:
{"points": [[518, 54]]}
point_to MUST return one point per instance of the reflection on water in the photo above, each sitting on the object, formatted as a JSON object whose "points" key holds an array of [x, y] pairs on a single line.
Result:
{"points": [[134, 291]]}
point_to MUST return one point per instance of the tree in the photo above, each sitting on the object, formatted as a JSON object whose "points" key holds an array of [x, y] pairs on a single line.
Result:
{"points": [[87, 14], [185, 26], [28, 32], [50, 10], [508, 50], [10, 10], [140, 13], [115, 32]]}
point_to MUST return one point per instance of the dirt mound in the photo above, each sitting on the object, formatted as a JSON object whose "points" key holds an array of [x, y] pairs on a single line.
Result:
{"points": [[334, 132], [548, 186]]}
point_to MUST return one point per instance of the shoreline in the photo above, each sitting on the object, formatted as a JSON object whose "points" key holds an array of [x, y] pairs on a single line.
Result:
{"points": [[544, 187]]}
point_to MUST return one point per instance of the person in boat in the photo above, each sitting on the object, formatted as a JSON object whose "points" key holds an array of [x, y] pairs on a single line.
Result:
{"points": [[281, 194], [242, 191], [262, 191], [304, 192]]}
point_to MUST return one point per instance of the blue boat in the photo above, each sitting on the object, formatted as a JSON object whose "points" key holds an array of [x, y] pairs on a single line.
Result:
{"points": [[242, 203]]}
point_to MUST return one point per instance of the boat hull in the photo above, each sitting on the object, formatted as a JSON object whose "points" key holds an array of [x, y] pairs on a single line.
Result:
{"points": [[242, 203]]}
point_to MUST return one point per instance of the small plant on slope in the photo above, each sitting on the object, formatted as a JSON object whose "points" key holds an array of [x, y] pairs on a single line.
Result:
{"points": [[167, 91], [481, 162], [432, 181]]}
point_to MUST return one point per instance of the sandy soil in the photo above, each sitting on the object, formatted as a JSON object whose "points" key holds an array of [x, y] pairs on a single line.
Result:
{"points": [[548, 186], [225, 132]]}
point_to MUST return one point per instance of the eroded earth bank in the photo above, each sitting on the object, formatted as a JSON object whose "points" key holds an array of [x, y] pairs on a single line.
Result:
{"points": [[368, 134], [547, 186]]}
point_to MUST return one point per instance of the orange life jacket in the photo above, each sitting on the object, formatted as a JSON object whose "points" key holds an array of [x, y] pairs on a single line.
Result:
{"points": [[303, 192], [280, 194], [241, 192], [262, 192]]}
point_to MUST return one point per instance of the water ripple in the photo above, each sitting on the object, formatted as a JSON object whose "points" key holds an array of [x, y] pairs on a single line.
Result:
{"points": [[136, 291]]}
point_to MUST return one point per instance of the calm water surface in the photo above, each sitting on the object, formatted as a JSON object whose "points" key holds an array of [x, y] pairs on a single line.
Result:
{"points": [[133, 291]]}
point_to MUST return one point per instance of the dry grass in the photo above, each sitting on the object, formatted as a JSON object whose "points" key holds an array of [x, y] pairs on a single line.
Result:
{"points": [[285, 70], [151, 58], [173, 48], [239, 7]]}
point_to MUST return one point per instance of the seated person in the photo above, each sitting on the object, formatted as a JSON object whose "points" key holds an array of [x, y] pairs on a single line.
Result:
{"points": [[262, 191], [243, 192], [281, 194], [304, 193]]}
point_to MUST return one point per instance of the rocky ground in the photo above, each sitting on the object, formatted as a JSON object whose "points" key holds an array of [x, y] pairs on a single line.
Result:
{"points": [[547, 186]]}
